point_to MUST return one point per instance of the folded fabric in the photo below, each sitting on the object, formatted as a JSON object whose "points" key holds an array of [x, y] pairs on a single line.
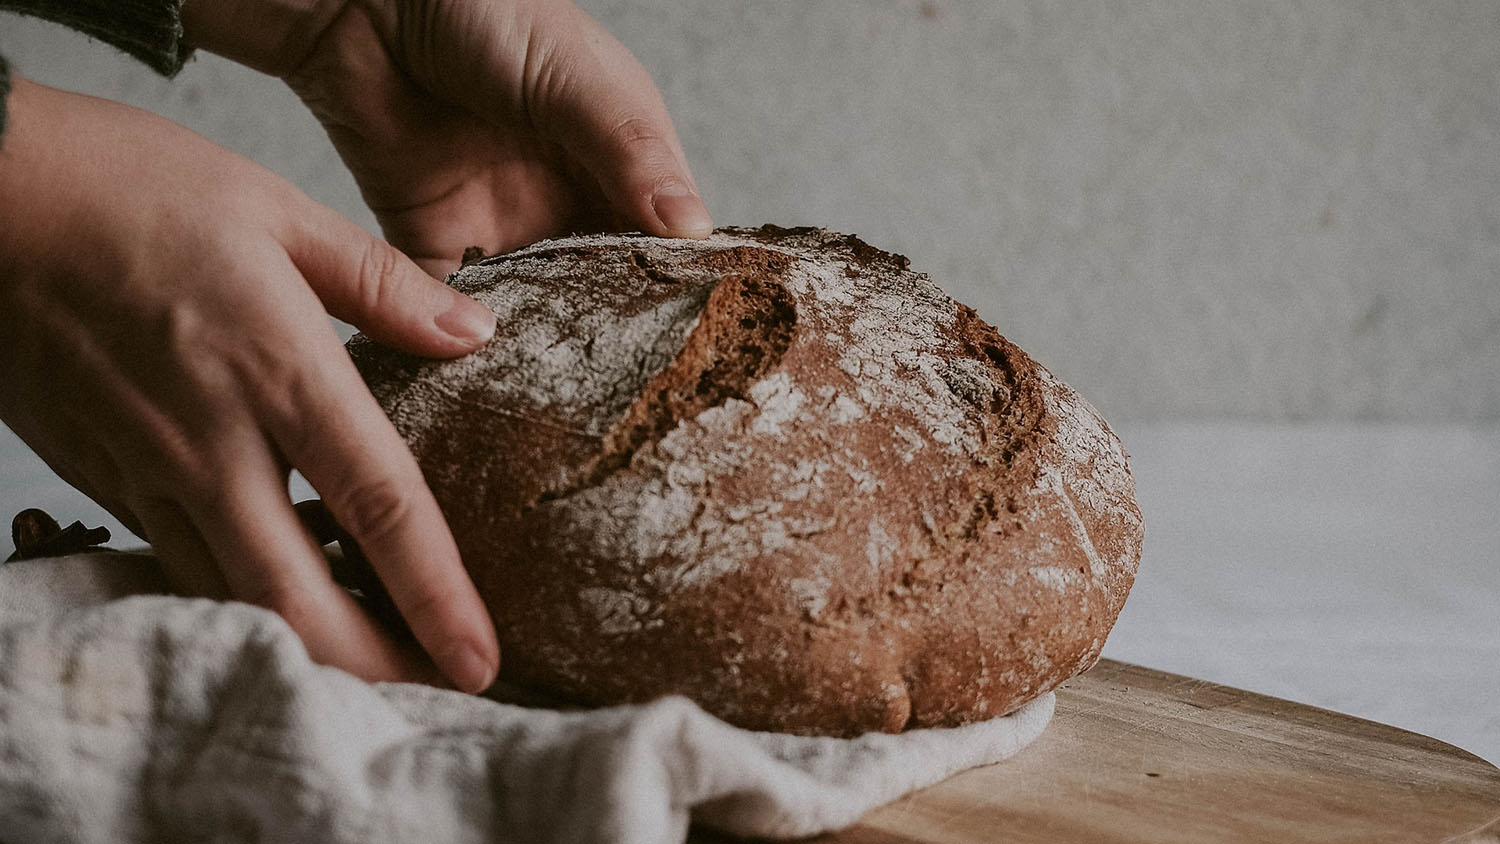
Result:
{"points": [[155, 718]]}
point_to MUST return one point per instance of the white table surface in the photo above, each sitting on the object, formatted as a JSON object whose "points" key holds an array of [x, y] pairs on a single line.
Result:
{"points": [[1352, 568]]}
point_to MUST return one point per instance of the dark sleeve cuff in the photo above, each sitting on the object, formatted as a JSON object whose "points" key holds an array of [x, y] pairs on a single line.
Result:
{"points": [[150, 30], [4, 92]]}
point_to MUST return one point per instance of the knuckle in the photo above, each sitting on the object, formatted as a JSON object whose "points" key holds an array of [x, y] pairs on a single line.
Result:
{"points": [[298, 409], [189, 467], [271, 357], [372, 509], [635, 133], [181, 330], [380, 278]]}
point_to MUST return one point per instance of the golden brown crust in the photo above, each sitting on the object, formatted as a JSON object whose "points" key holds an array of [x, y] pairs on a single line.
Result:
{"points": [[775, 471]]}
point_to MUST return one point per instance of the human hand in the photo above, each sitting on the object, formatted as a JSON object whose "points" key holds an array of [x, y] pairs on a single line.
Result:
{"points": [[164, 347], [474, 122]]}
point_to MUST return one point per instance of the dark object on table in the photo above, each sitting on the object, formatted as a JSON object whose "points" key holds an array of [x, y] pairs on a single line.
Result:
{"points": [[36, 534]]}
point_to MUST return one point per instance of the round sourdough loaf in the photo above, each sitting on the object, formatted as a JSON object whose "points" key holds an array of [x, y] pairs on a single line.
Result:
{"points": [[775, 471]]}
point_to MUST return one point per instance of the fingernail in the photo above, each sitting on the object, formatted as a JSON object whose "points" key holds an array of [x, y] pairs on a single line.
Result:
{"points": [[682, 212], [468, 321], [469, 671]]}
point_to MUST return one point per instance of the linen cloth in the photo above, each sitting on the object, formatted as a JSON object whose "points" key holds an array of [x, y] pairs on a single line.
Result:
{"points": [[152, 717]]}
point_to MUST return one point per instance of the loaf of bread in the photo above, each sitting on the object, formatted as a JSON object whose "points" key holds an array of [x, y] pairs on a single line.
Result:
{"points": [[775, 471]]}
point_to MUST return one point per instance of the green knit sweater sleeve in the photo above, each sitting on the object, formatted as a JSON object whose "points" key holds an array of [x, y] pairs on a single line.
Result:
{"points": [[150, 30]]}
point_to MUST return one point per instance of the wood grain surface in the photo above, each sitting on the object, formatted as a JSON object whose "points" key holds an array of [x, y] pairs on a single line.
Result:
{"points": [[1137, 755]]}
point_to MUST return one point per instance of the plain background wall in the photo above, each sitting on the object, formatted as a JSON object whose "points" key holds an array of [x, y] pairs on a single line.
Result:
{"points": [[1268, 211]]}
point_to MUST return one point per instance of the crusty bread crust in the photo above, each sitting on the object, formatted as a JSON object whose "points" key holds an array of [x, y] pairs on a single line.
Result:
{"points": [[775, 471]]}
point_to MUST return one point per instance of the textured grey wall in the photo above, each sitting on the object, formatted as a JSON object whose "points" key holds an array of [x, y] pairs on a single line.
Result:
{"points": [[1269, 210]]}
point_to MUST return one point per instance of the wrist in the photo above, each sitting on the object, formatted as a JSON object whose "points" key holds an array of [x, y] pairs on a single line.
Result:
{"points": [[26, 172], [52, 164], [271, 36]]}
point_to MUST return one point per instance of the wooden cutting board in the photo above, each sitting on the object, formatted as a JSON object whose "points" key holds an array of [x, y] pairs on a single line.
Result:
{"points": [[1136, 755]]}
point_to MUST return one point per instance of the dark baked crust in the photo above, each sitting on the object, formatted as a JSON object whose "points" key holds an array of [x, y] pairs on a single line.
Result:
{"points": [[775, 471]]}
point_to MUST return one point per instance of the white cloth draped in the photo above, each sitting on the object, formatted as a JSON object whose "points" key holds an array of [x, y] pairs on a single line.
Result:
{"points": [[150, 718]]}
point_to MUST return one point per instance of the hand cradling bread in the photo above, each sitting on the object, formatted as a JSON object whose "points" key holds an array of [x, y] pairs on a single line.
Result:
{"points": [[775, 471]]}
